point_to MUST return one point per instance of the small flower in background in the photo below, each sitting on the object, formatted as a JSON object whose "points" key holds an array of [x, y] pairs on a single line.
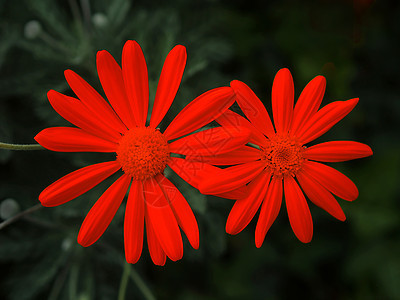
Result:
{"points": [[280, 163], [142, 152]]}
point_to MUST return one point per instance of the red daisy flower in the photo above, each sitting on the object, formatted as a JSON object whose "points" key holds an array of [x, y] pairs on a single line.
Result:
{"points": [[280, 163], [142, 152]]}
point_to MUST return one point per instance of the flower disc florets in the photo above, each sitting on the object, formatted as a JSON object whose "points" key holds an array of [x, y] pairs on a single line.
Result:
{"points": [[283, 156], [143, 152]]}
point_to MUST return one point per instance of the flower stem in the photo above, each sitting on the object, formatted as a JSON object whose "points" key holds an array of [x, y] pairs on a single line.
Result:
{"points": [[20, 215], [130, 272], [148, 295], [124, 281], [20, 147]]}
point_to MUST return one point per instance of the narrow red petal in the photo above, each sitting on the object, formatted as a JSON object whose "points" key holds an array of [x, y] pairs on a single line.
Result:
{"points": [[77, 183], [309, 101], [232, 119], [74, 111], [168, 85], [325, 119], [103, 211], [253, 108], [136, 80], [112, 81], [157, 254], [93, 101], [320, 196], [331, 179], [181, 209], [134, 223], [230, 178], [212, 141], [241, 155], [67, 139], [269, 210], [282, 100], [237, 194], [163, 220], [337, 151], [298, 211], [191, 171], [244, 210], [201, 111]]}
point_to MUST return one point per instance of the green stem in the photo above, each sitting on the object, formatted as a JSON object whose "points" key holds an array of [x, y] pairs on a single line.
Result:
{"points": [[58, 284], [73, 281], [20, 215], [124, 281], [20, 147], [148, 295]]}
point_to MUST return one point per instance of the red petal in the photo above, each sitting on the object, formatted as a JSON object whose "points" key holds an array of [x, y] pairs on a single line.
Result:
{"points": [[238, 194], [191, 171], [332, 180], [136, 80], [337, 151], [230, 178], [211, 141], [253, 108], [282, 100], [181, 209], [170, 79], [201, 111], [324, 119], [241, 155], [244, 210], [308, 103], [232, 119], [163, 220], [93, 101], [77, 183], [194, 172], [74, 111], [269, 210], [298, 211], [320, 196], [134, 223], [67, 139], [157, 254], [111, 79], [102, 212]]}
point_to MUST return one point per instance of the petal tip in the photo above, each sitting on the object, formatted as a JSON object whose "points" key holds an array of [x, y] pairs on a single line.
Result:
{"points": [[259, 243], [354, 101], [51, 94], [176, 256], [369, 151], [306, 238], [235, 83], [180, 48], [196, 245], [131, 260], [320, 80], [102, 53], [284, 71], [84, 242], [68, 74]]}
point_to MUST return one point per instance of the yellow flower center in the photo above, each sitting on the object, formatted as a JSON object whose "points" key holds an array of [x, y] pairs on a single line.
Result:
{"points": [[143, 152], [283, 156]]}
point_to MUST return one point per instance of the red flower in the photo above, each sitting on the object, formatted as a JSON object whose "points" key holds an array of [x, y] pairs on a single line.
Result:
{"points": [[281, 164], [142, 151]]}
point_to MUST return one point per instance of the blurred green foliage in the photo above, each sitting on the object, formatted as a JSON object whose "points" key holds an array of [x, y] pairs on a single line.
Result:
{"points": [[355, 44]]}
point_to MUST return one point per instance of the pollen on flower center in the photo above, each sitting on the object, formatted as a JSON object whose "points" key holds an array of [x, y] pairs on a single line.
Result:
{"points": [[283, 156], [143, 152]]}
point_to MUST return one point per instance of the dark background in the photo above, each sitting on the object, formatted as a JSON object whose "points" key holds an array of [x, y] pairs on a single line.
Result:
{"points": [[354, 44]]}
